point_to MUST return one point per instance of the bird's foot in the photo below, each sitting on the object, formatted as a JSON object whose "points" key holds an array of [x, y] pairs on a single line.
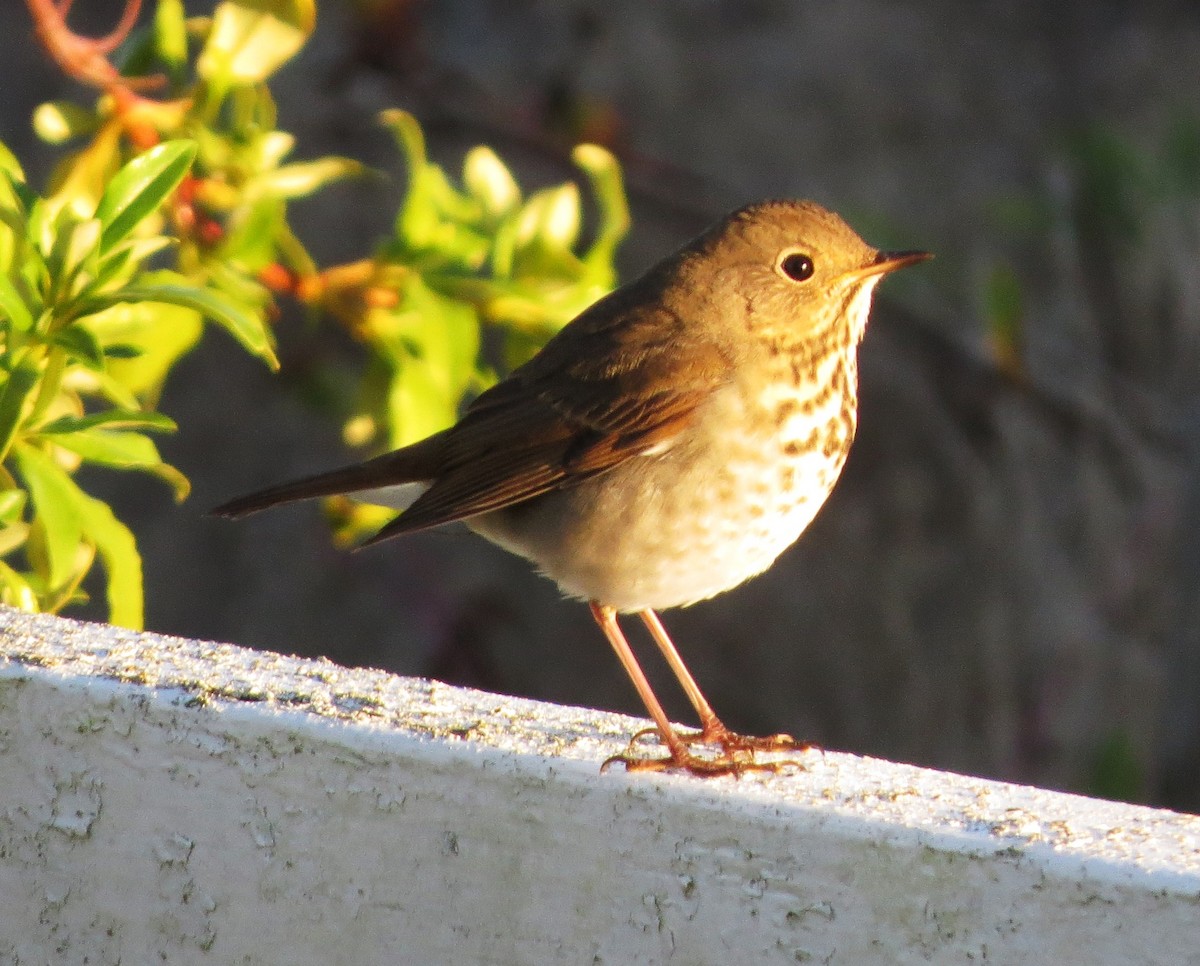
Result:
{"points": [[736, 756], [730, 742]]}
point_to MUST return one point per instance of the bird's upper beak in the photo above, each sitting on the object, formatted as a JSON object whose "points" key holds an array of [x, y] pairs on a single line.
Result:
{"points": [[888, 262]]}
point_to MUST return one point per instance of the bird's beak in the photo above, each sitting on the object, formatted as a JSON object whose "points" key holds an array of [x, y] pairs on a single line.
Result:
{"points": [[888, 262]]}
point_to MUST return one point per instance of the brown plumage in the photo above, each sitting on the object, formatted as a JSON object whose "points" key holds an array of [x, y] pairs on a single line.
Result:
{"points": [[666, 445]]}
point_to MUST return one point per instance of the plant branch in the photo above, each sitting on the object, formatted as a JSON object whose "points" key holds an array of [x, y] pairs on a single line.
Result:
{"points": [[84, 58]]}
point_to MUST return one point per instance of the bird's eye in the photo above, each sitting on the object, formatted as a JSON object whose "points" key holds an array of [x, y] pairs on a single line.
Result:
{"points": [[797, 266]]}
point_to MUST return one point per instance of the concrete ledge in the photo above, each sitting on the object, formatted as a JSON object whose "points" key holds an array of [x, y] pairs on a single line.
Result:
{"points": [[166, 800]]}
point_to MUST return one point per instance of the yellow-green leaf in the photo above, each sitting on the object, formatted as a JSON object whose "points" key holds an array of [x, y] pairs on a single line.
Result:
{"points": [[248, 328], [170, 33], [12, 505], [15, 590], [55, 501], [551, 218], [251, 39], [21, 382], [81, 345], [112, 419], [123, 451], [161, 334], [57, 122], [490, 182], [140, 187], [9, 163], [604, 172], [122, 562], [13, 307], [303, 178]]}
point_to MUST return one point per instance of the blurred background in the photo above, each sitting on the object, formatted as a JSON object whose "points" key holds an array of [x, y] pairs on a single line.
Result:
{"points": [[1006, 582]]}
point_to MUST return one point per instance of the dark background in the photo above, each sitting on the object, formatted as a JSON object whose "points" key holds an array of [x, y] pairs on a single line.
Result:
{"points": [[1004, 582]]}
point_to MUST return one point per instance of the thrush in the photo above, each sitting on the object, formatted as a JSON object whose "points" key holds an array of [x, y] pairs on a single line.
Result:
{"points": [[665, 446]]}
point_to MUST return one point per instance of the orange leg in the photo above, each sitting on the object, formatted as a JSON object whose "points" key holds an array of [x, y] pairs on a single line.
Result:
{"points": [[713, 730], [737, 752]]}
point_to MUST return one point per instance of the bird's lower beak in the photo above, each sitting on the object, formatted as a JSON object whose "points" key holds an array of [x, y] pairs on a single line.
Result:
{"points": [[888, 262]]}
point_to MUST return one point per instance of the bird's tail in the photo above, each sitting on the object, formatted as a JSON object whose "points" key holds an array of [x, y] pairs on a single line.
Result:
{"points": [[396, 471]]}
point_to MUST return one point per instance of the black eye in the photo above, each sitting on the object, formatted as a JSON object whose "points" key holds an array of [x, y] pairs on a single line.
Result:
{"points": [[797, 266]]}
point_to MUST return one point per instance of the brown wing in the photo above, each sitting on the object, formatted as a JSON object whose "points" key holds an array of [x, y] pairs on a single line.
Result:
{"points": [[620, 380]]}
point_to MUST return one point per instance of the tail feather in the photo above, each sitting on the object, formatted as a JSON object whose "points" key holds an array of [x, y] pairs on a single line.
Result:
{"points": [[412, 464]]}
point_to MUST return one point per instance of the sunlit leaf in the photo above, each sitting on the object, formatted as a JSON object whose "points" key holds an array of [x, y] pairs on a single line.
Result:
{"points": [[122, 562], [12, 505], [9, 164], [81, 178], [148, 338], [55, 500], [15, 590], [604, 172], [303, 178], [123, 451], [13, 307], [551, 218], [140, 187], [490, 182], [170, 33], [12, 537], [249, 329], [417, 406], [57, 122], [17, 389], [112, 419], [251, 39], [249, 242], [81, 345], [126, 256]]}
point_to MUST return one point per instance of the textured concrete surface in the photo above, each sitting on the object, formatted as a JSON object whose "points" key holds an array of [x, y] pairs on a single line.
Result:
{"points": [[187, 802]]}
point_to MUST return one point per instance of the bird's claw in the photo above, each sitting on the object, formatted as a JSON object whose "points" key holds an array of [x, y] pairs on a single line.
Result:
{"points": [[736, 757]]}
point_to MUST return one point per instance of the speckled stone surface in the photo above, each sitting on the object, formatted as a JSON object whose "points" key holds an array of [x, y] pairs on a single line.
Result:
{"points": [[201, 802]]}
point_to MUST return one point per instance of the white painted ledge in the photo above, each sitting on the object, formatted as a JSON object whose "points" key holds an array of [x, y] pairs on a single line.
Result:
{"points": [[172, 801]]}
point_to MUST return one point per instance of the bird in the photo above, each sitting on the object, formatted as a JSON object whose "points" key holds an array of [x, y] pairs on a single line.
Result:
{"points": [[666, 445]]}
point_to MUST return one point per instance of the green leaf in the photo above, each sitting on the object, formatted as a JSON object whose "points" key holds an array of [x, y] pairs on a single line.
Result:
{"points": [[251, 39], [432, 350], [170, 33], [490, 182], [13, 307], [12, 505], [15, 590], [143, 340], [112, 419], [81, 345], [119, 553], [55, 500], [21, 382], [57, 122], [72, 241], [126, 257], [604, 172], [140, 187], [417, 405], [249, 241], [122, 562], [124, 451], [9, 164], [249, 329], [550, 218], [13, 536], [123, 351], [303, 178]]}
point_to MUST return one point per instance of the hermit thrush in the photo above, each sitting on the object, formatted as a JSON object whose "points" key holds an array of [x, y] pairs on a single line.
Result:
{"points": [[669, 443]]}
